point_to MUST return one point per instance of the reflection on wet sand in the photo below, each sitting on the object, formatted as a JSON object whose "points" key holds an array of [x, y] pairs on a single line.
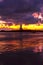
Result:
{"points": [[12, 45], [21, 48]]}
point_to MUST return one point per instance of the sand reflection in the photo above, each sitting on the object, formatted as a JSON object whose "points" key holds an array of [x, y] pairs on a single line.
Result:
{"points": [[12, 45]]}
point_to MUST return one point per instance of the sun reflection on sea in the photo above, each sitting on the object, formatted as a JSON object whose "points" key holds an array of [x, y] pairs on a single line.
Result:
{"points": [[34, 41]]}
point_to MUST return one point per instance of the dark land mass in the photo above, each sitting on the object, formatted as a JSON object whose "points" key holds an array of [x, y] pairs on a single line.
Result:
{"points": [[22, 31]]}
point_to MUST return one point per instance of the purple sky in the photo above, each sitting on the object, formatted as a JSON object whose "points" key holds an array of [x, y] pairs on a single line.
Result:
{"points": [[20, 10]]}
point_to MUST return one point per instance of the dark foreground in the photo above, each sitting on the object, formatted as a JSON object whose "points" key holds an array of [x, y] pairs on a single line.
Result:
{"points": [[21, 48], [21, 58]]}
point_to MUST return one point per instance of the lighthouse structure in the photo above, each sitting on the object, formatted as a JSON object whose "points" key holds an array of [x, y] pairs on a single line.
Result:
{"points": [[21, 27]]}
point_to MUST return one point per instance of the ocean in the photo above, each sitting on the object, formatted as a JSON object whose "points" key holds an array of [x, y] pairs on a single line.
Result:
{"points": [[21, 48]]}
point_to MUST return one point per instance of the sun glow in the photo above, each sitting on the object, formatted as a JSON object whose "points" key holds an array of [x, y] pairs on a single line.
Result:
{"points": [[15, 27], [24, 27], [5, 26], [32, 27]]}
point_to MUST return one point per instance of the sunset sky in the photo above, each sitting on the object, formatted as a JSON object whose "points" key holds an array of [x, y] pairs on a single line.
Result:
{"points": [[20, 10]]}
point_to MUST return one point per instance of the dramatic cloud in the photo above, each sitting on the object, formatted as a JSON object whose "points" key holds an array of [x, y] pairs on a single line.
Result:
{"points": [[19, 6], [15, 9]]}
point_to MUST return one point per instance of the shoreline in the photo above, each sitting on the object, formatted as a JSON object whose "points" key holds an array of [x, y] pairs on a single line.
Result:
{"points": [[22, 31]]}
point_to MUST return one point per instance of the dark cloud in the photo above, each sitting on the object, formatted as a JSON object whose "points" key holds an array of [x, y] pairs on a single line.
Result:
{"points": [[12, 6], [21, 18], [16, 8]]}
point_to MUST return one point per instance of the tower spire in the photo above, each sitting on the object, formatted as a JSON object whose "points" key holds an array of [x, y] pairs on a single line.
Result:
{"points": [[20, 26]]}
